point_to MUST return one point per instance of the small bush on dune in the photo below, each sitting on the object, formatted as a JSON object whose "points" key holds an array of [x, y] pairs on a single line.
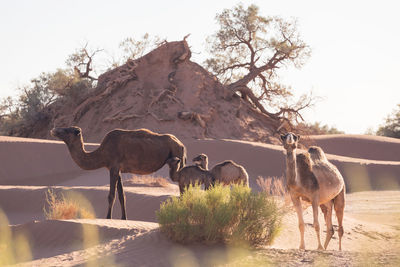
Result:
{"points": [[221, 214], [62, 208]]}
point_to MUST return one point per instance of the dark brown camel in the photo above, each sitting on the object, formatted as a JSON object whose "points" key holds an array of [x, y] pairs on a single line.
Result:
{"points": [[226, 172], [189, 175], [128, 151]]}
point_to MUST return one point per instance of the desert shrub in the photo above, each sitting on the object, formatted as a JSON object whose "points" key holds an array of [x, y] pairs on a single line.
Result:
{"points": [[63, 208], [34, 105], [317, 128], [221, 214], [391, 127]]}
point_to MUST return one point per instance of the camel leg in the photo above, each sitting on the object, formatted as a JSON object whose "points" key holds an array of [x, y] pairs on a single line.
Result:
{"points": [[111, 195], [339, 203], [181, 188], [327, 210], [121, 197], [324, 210], [297, 205], [315, 205]]}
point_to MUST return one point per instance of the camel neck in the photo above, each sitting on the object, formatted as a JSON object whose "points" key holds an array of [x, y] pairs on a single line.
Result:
{"points": [[204, 164], [85, 160], [173, 173], [291, 167]]}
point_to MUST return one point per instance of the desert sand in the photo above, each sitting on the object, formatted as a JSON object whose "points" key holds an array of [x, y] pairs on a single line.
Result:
{"points": [[28, 167]]}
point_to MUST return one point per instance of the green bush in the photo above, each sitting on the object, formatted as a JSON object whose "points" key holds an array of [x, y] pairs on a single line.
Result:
{"points": [[221, 214], [391, 127]]}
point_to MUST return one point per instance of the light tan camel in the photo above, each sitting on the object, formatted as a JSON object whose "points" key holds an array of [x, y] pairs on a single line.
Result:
{"points": [[129, 151], [327, 172], [226, 172], [189, 175], [316, 183]]}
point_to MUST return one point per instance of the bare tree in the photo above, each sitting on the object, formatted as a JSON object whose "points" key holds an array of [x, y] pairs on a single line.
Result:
{"points": [[247, 51], [82, 62]]}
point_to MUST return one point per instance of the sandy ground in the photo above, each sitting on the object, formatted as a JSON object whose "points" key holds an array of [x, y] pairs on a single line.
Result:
{"points": [[29, 167]]}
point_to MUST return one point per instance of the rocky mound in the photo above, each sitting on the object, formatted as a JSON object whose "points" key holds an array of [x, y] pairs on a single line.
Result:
{"points": [[165, 92]]}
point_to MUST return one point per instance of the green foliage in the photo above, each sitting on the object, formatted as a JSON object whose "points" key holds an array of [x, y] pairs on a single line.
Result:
{"points": [[317, 128], [246, 40], [391, 128], [32, 104], [221, 214], [133, 49], [247, 51]]}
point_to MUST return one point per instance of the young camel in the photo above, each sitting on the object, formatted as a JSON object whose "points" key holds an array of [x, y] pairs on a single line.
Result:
{"points": [[189, 175], [321, 186], [134, 151], [326, 171], [226, 172]]}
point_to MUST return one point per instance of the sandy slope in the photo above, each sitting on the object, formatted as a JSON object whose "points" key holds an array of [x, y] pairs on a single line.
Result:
{"points": [[29, 166], [359, 146], [137, 243], [43, 162]]}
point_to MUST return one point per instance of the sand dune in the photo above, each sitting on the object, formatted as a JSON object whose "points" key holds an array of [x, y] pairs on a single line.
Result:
{"points": [[30, 166], [359, 146], [26, 203], [43, 162], [137, 243]]}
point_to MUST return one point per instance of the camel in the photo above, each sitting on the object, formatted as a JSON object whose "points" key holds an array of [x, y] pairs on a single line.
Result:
{"points": [[310, 177], [189, 175], [130, 151], [327, 172], [226, 172]]}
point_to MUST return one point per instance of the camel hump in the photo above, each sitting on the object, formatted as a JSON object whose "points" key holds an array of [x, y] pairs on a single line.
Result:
{"points": [[317, 153], [139, 133], [304, 160], [226, 162]]}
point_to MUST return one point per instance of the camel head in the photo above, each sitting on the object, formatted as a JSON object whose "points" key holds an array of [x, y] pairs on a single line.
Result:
{"points": [[68, 134], [201, 160], [173, 162], [290, 140]]}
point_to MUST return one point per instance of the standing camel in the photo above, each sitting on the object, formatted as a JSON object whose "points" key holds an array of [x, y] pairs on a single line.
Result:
{"points": [[320, 184], [327, 172], [189, 175], [128, 151], [226, 172]]}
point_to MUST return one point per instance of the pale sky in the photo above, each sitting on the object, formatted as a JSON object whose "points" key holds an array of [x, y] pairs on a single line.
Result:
{"points": [[354, 66]]}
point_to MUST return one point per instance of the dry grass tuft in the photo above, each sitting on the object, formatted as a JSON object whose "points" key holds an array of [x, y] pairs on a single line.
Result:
{"points": [[146, 180], [275, 186], [62, 208]]}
